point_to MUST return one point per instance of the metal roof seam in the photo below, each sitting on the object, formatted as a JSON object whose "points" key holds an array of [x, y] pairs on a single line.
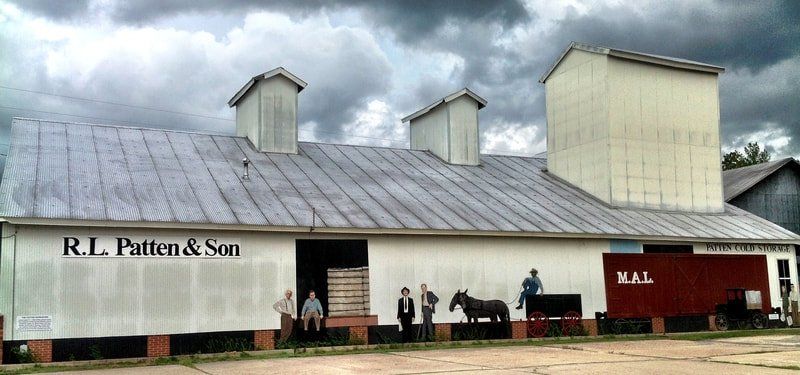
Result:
{"points": [[501, 215], [318, 208], [412, 159], [339, 190], [103, 193], [206, 215], [452, 202], [547, 182], [424, 209], [436, 211], [172, 210], [233, 162], [411, 212], [539, 190], [518, 198], [540, 185], [341, 178], [321, 189], [214, 179], [257, 175]]}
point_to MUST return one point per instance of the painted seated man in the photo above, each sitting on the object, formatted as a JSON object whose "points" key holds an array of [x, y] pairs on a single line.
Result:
{"points": [[312, 309], [531, 286]]}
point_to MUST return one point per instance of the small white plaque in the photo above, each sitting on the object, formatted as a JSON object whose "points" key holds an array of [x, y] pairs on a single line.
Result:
{"points": [[31, 323], [774, 316]]}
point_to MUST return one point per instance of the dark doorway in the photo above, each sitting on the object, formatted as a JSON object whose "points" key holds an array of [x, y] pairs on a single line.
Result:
{"points": [[667, 249], [314, 257]]}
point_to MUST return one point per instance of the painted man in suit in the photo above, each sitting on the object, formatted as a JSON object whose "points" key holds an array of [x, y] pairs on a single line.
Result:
{"points": [[405, 313], [429, 301]]}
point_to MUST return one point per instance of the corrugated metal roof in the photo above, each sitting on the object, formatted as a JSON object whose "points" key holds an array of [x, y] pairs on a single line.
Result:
{"points": [[633, 55], [737, 181], [75, 171]]}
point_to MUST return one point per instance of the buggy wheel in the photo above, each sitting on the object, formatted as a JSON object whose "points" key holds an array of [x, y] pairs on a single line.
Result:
{"points": [[722, 322], [571, 324], [538, 324], [759, 320]]}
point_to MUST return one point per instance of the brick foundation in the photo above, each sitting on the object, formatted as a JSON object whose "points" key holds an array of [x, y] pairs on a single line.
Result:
{"points": [[712, 326], [264, 340], [359, 335], [443, 331], [158, 346], [658, 326], [519, 329], [590, 326], [42, 350]]}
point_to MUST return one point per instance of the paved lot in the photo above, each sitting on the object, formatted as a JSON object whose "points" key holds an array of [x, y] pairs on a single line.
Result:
{"points": [[749, 355]]}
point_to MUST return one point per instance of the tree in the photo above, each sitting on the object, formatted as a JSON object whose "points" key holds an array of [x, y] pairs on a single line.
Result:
{"points": [[753, 154]]}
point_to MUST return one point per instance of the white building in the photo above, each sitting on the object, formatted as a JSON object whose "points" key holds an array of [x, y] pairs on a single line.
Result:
{"points": [[118, 231]]}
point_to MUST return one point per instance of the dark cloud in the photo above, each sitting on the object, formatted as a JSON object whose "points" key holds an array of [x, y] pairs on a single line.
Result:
{"points": [[54, 9], [732, 34], [502, 48]]}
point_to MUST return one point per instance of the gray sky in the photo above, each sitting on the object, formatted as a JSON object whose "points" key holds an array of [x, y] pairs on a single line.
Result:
{"points": [[369, 63]]}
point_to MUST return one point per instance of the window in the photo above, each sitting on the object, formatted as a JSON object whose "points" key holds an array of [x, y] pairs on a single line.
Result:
{"points": [[667, 249], [784, 279]]}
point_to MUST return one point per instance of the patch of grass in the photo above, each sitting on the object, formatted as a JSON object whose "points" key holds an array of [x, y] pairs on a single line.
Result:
{"points": [[700, 336]]}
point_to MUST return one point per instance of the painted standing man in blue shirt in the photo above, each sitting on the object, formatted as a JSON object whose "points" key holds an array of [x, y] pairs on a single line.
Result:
{"points": [[530, 287], [312, 309]]}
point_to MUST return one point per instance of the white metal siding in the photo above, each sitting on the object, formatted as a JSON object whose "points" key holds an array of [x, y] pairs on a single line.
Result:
{"points": [[248, 115], [491, 268], [132, 296], [464, 131], [664, 126], [635, 134], [278, 115], [577, 122], [429, 132]]}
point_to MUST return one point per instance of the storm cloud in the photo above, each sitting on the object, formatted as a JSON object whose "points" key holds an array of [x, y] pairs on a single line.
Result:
{"points": [[370, 63]]}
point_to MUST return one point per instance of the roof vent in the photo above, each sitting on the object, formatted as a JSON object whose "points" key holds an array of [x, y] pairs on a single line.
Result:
{"points": [[266, 110], [246, 163], [449, 127]]}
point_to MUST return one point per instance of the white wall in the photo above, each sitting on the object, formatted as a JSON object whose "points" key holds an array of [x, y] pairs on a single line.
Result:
{"points": [[248, 115], [464, 131], [635, 134], [89, 297], [492, 268], [577, 122], [278, 115], [664, 137], [429, 132]]}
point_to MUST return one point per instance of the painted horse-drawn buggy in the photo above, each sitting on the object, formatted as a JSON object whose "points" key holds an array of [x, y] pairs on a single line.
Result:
{"points": [[565, 308]]}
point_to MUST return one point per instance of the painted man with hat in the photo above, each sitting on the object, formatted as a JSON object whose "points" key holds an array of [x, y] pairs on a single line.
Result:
{"points": [[531, 286]]}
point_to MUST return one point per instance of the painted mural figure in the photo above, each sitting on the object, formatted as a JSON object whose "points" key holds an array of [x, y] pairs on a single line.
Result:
{"points": [[405, 313], [285, 307], [312, 309], [794, 298], [531, 286], [429, 301], [785, 304]]}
